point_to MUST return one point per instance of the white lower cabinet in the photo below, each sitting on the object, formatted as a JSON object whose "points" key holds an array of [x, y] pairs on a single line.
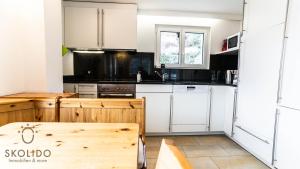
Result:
{"points": [[190, 108], [230, 105], [288, 139], [158, 106], [222, 109]]}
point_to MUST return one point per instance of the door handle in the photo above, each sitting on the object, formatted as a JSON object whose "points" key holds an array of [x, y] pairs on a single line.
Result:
{"points": [[253, 135]]}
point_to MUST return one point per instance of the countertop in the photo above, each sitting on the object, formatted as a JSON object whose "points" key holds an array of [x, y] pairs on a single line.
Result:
{"points": [[72, 145], [132, 81]]}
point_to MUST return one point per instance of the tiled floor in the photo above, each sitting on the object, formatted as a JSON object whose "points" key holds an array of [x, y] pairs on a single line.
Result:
{"points": [[206, 152]]}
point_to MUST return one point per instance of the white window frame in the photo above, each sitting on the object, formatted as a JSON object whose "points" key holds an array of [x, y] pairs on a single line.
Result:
{"points": [[182, 30]]}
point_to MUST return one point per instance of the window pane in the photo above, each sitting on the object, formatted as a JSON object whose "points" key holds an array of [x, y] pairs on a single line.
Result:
{"points": [[193, 48], [169, 47]]}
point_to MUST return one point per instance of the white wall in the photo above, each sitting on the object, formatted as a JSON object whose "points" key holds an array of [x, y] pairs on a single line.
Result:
{"points": [[220, 29], [11, 60], [28, 46], [53, 30]]}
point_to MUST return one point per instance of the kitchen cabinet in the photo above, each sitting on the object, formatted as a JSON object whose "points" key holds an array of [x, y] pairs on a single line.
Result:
{"points": [[222, 109], [100, 25], [190, 108], [158, 106], [81, 27], [289, 95], [257, 93], [16, 110], [257, 18], [70, 87], [120, 29], [287, 151], [104, 111]]}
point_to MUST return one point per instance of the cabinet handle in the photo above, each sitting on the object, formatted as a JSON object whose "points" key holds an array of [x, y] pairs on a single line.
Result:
{"points": [[234, 118], [102, 27], [275, 136], [250, 133], [210, 103], [191, 87], [171, 113], [98, 27]]}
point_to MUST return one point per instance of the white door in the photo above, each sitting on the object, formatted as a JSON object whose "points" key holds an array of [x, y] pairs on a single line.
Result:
{"points": [[291, 80], [230, 101], [257, 94], [157, 111], [120, 28], [190, 108], [217, 111], [81, 27], [288, 139]]}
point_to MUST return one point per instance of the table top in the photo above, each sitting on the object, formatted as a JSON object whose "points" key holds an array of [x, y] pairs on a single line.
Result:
{"points": [[69, 145], [37, 95]]}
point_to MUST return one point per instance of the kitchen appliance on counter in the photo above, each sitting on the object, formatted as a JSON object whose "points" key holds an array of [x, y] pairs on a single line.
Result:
{"points": [[116, 90]]}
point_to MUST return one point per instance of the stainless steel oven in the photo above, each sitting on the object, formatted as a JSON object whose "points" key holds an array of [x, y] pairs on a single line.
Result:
{"points": [[116, 90]]}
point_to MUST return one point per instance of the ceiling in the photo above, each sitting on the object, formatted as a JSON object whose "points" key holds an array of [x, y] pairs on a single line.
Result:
{"points": [[201, 6]]}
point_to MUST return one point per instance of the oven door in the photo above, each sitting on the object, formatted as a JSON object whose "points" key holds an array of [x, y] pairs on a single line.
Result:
{"points": [[116, 95]]}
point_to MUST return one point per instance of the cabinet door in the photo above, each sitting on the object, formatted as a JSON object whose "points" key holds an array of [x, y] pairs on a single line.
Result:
{"points": [[217, 108], [262, 15], [291, 81], [230, 101], [288, 139], [81, 27], [158, 110], [190, 109], [70, 88], [119, 29], [257, 94]]}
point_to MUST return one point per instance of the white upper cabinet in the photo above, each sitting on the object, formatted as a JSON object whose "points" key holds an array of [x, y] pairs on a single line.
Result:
{"points": [[260, 15], [100, 25], [290, 95], [81, 27], [120, 28]]}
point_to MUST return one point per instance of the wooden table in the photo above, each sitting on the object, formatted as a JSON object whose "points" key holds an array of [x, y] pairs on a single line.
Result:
{"points": [[72, 145]]}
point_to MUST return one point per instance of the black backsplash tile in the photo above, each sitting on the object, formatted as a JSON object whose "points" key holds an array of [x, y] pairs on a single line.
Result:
{"points": [[125, 65]]}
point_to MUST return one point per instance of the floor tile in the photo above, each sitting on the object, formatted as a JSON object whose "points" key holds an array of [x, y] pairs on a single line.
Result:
{"points": [[151, 163], [235, 150], [202, 163], [152, 151], [185, 140], [204, 150], [238, 162]]}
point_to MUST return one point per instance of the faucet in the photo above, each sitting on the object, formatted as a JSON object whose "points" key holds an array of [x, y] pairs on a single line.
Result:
{"points": [[162, 76]]}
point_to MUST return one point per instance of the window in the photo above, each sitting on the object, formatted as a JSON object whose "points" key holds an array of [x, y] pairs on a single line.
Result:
{"points": [[182, 47]]}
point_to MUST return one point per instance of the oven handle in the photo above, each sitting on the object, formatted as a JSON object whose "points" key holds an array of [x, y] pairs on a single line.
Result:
{"points": [[124, 95]]}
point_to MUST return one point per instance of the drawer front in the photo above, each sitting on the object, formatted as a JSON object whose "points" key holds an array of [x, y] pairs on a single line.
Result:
{"points": [[16, 107], [191, 88], [88, 95], [87, 88], [152, 88]]}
